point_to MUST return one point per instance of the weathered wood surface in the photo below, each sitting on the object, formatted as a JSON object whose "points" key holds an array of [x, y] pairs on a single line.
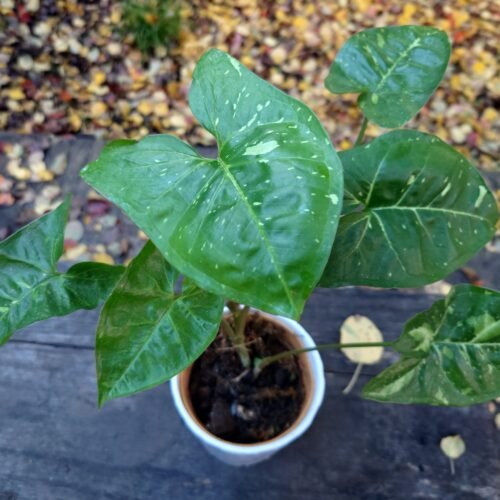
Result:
{"points": [[55, 443]]}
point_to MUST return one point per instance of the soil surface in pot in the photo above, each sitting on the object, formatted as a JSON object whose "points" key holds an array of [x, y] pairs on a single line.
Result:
{"points": [[235, 405]]}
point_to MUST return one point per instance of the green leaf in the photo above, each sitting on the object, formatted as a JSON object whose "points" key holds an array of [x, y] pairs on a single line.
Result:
{"points": [[31, 289], [395, 70], [255, 225], [147, 332], [414, 211], [450, 353]]}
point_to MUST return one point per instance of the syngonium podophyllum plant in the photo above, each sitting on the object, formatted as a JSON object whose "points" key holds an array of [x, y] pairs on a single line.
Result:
{"points": [[276, 214]]}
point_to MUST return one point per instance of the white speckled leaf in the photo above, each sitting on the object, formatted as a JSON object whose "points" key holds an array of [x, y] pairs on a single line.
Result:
{"points": [[395, 70], [256, 224], [450, 353], [31, 288], [147, 331], [414, 211]]}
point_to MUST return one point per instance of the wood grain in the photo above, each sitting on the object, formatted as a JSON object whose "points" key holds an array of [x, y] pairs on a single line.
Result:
{"points": [[55, 443]]}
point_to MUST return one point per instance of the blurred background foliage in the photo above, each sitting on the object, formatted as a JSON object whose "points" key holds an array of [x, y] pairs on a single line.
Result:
{"points": [[123, 69], [151, 23]]}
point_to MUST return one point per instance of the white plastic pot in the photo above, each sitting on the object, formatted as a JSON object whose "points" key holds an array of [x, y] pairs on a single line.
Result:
{"points": [[248, 454]]}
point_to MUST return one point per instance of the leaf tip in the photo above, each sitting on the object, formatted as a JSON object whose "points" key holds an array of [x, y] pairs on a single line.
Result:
{"points": [[102, 397]]}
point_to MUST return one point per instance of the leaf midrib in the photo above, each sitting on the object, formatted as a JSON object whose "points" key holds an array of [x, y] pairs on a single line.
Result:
{"points": [[156, 324], [397, 61], [263, 235], [29, 291]]}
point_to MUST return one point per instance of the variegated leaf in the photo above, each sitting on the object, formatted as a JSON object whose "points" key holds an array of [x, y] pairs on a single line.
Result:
{"points": [[450, 353], [394, 69], [414, 211], [256, 224]]}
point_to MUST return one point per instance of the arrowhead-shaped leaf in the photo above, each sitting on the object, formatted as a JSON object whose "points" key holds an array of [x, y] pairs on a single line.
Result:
{"points": [[147, 332], [395, 70], [414, 211], [450, 353], [256, 224], [31, 289]]}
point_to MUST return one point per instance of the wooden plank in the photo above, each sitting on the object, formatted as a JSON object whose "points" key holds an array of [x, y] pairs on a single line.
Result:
{"points": [[55, 444], [324, 313]]}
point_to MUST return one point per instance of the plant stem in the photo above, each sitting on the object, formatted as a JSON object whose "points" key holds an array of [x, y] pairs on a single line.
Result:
{"points": [[236, 335], [322, 347], [234, 307], [362, 131], [241, 321]]}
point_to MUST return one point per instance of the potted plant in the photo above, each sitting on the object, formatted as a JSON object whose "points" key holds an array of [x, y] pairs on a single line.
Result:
{"points": [[276, 214]]}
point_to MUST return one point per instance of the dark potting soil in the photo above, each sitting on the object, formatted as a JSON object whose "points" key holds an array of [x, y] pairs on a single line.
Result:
{"points": [[234, 404]]}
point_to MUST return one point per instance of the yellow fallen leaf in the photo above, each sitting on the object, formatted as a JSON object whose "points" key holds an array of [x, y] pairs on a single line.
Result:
{"points": [[345, 144], [97, 109], [74, 252], [453, 447], [278, 55], [75, 121], [99, 90], [248, 61], [103, 258], [359, 329], [161, 109], [459, 17], [479, 67], [104, 30], [136, 119], [300, 23], [341, 17], [282, 16], [177, 120], [145, 108], [15, 94], [99, 77], [116, 15], [362, 5], [174, 90], [490, 114], [439, 288], [18, 172], [456, 81], [45, 175], [123, 107], [407, 14]]}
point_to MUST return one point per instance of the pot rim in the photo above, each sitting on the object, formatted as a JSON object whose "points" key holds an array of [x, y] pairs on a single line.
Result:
{"points": [[299, 427]]}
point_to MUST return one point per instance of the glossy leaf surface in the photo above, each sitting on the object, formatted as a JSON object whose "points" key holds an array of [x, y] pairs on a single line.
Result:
{"points": [[147, 332], [450, 353], [256, 224], [414, 211], [395, 70], [31, 289]]}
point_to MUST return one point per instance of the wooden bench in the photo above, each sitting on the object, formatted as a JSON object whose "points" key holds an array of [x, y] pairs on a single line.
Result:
{"points": [[56, 445]]}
